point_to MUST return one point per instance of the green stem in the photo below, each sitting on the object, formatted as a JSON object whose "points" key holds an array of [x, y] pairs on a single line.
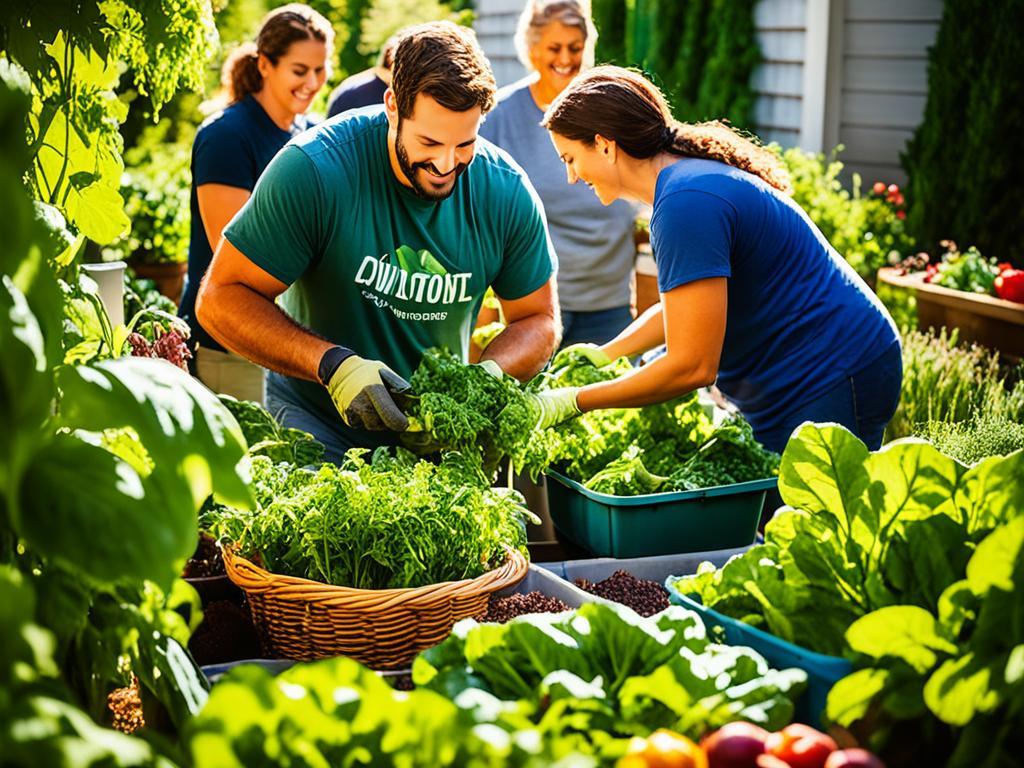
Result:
{"points": [[69, 64]]}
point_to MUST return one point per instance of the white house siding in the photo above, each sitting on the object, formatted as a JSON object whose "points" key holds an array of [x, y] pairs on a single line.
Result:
{"points": [[495, 25], [778, 82], [882, 83], [851, 72]]}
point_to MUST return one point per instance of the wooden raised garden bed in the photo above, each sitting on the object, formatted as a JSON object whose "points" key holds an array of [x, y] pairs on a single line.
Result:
{"points": [[986, 320]]}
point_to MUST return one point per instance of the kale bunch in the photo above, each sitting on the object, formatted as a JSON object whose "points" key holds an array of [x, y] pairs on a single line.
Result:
{"points": [[730, 455], [632, 451], [462, 408]]}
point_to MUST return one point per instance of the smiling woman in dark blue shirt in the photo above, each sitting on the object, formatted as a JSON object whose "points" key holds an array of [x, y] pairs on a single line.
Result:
{"points": [[269, 85], [753, 297]]}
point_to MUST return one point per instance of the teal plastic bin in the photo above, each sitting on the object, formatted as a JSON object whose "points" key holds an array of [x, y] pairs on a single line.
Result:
{"points": [[822, 671], [722, 517]]}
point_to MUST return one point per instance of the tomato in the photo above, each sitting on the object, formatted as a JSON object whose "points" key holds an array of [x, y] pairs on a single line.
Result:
{"points": [[735, 745], [879, 188], [801, 746], [663, 749], [771, 761]]}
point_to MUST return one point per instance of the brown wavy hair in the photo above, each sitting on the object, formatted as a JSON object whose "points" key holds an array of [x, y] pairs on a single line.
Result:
{"points": [[279, 29], [444, 61], [622, 105]]}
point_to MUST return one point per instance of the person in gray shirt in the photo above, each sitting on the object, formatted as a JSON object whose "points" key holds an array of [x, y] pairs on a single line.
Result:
{"points": [[595, 247]]}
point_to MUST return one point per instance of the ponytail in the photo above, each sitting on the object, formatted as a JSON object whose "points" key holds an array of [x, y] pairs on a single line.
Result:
{"points": [[623, 106], [240, 75]]}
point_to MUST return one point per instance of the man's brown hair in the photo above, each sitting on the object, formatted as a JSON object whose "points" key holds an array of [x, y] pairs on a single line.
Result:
{"points": [[444, 61]]}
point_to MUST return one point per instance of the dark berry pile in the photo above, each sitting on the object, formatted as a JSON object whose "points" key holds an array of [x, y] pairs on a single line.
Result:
{"points": [[205, 561], [503, 609], [645, 597]]}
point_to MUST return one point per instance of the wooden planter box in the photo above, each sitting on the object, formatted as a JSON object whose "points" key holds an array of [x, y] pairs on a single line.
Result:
{"points": [[986, 320]]}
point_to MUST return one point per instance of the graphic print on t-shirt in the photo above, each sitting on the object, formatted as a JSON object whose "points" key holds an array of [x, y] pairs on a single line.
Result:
{"points": [[415, 286]]}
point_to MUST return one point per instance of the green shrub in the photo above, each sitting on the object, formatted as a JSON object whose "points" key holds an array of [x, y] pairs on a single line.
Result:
{"points": [[865, 229], [944, 382], [964, 173]]}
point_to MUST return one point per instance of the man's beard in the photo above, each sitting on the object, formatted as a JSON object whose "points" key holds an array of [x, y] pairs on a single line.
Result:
{"points": [[409, 169]]}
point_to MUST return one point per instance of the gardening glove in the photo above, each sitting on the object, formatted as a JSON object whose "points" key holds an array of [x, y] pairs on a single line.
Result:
{"points": [[552, 407], [369, 395], [591, 352], [492, 367]]}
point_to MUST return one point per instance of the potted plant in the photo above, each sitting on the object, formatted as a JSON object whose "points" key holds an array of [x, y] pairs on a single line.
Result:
{"points": [[156, 187]]}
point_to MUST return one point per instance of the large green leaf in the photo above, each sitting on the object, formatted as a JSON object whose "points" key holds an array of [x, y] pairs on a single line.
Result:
{"points": [[26, 385], [850, 699], [91, 511], [187, 432], [903, 632]]}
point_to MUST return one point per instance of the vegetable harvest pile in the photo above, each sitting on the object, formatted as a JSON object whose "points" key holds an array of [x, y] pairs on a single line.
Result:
{"points": [[664, 447]]}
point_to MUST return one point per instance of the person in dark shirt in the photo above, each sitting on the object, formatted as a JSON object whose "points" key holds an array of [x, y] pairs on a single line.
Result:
{"points": [[753, 297], [366, 88], [269, 85]]}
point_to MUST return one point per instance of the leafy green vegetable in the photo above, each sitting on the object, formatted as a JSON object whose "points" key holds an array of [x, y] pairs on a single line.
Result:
{"points": [[463, 408], [266, 437], [605, 670], [336, 712], [865, 531], [955, 670], [389, 522], [664, 447]]}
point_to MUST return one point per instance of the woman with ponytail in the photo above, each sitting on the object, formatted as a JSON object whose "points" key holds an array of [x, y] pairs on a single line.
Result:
{"points": [[753, 297], [267, 86]]}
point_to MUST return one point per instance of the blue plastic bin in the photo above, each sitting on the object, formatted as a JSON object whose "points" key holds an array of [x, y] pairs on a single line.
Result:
{"points": [[822, 671], [722, 517]]}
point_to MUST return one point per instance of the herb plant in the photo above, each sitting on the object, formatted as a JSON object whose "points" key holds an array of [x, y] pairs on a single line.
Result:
{"points": [[388, 522]]}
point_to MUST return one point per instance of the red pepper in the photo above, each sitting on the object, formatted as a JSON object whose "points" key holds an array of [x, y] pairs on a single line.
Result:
{"points": [[1010, 285]]}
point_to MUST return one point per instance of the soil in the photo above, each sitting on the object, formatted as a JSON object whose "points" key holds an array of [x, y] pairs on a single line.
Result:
{"points": [[205, 561], [643, 596], [503, 609], [225, 634]]}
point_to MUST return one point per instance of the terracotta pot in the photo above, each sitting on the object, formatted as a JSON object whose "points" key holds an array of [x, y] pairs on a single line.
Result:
{"points": [[169, 277]]}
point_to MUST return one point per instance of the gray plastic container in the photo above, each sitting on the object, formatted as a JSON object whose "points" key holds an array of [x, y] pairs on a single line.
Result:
{"points": [[653, 568]]}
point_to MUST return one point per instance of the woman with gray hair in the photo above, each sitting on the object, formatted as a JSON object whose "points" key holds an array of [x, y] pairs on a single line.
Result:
{"points": [[555, 40]]}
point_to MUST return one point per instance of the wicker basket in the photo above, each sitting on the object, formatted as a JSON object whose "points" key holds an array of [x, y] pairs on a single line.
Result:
{"points": [[383, 628]]}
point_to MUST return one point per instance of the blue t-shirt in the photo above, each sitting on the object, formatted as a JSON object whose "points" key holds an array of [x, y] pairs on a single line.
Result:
{"points": [[231, 148], [361, 90], [799, 318]]}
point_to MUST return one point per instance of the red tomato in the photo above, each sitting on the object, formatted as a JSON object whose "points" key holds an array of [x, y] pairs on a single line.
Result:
{"points": [[735, 745], [801, 746], [879, 188], [771, 761], [893, 189]]}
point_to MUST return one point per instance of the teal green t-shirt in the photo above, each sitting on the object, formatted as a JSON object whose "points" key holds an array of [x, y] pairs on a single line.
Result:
{"points": [[375, 268]]}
